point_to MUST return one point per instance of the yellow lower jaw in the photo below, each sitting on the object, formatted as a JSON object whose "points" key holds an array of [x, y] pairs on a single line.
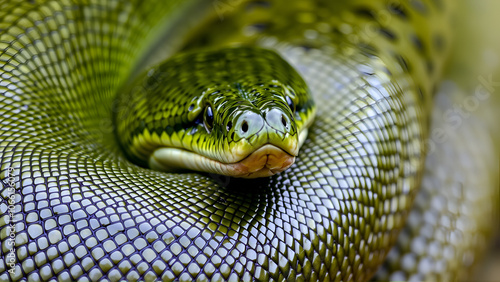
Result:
{"points": [[263, 162]]}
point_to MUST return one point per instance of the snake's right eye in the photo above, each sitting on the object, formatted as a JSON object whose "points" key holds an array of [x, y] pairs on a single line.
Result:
{"points": [[208, 118]]}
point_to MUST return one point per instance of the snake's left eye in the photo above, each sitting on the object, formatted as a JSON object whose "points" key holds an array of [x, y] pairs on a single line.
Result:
{"points": [[208, 118], [290, 103]]}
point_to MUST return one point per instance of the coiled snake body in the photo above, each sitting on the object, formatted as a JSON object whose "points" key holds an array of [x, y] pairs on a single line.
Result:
{"points": [[82, 210]]}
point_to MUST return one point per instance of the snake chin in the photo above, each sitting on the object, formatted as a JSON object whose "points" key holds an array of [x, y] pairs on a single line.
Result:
{"points": [[267, 160], [263, 162]]}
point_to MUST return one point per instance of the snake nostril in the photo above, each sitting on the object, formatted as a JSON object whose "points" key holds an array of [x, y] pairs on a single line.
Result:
{"points": [[244, 127], [283, 120]]}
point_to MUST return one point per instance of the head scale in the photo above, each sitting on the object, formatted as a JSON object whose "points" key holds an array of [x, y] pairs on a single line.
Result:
{"points": [[240, 111]]}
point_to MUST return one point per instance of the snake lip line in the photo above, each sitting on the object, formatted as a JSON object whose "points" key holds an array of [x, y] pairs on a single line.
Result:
{"points": [[263, 162]]}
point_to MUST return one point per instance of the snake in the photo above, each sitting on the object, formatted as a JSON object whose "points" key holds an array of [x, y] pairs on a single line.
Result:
{"points": [[236, 141]]}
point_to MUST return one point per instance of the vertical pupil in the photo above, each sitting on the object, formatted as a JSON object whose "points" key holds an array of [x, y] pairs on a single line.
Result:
{"points": [[209, 116]]}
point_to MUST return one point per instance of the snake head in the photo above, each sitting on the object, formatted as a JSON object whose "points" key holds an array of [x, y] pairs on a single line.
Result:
{"points": [[241, 112]]}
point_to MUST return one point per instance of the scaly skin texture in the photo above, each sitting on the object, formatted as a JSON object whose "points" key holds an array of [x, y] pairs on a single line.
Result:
{"points": [[82, 210], [254, 97]]}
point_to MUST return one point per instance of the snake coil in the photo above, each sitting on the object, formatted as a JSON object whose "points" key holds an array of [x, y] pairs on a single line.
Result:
{"points": [[79, 209]]}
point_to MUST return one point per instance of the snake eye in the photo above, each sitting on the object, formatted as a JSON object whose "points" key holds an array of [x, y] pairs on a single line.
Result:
{"points": [[208, 118], [290, 103]]}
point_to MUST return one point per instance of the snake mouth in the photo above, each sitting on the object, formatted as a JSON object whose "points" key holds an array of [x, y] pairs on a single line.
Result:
{"points": [[263, 162], [267, 160]]}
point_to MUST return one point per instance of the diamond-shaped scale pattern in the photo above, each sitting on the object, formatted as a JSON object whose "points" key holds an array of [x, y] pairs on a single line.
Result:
{"points": [[450, 225], [84, 212]]}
